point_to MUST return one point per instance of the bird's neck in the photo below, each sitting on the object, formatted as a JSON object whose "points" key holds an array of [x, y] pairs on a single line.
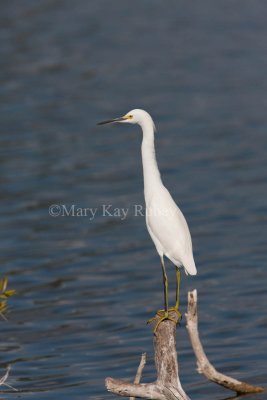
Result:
{"points": [[150, 167]]}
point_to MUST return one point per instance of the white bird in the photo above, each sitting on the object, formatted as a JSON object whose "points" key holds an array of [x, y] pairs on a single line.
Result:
{"points": [[165, 222]]}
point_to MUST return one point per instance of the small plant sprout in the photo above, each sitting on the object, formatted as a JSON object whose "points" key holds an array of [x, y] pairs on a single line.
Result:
{"points": [[4, 294], [4, 379]]}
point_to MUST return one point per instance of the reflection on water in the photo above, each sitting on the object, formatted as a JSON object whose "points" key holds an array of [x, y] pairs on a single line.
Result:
{"points": [[86, 287]]}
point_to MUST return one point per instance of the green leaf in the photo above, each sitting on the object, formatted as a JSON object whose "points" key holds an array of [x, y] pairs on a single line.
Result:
{"points": [[3, 307], [4, 294], [3, 284], [8, 293]]}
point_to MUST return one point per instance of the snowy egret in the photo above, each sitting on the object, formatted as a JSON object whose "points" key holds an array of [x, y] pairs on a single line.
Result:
{"points": [[165, 222]]}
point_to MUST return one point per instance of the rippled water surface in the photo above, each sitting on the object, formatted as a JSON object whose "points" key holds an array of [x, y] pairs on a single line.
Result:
{"points": [[87, 285]]}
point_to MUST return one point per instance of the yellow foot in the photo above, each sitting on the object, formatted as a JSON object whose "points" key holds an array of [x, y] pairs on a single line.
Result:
{"points": [[177, 311], [164, 315]]}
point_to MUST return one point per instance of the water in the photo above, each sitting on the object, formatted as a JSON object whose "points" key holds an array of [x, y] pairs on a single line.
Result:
{"points": [[86, 287]]}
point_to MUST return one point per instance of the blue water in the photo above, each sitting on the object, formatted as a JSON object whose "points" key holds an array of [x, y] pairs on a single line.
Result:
{"points": [[87, 286]]}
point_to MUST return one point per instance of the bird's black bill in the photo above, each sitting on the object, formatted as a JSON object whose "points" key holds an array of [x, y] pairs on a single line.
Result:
{"points": [[109, 121]]}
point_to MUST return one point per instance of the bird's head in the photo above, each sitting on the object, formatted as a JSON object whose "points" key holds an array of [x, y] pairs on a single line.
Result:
{"points": [[136, 116]]}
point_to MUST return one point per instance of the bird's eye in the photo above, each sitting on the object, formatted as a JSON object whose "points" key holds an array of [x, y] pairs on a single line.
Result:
{"points": [[130, 116]]}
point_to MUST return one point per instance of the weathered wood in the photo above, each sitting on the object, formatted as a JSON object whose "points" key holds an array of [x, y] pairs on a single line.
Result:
{"points": [[166, 355], [138, 375], [167, 386], [143, 391], [203, 364]]}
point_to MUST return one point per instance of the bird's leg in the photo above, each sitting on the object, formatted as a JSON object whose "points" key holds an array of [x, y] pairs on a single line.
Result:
{"points": [[165, 284], [163, 314], [178, 280], [177, 302]]}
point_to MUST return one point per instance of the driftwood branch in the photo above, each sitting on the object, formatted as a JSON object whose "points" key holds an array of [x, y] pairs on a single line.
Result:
{"points": [[139, 372], [167, 385], [203, 364]]}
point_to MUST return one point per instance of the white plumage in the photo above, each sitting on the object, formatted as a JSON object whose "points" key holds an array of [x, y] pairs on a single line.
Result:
{"points": [[165, 222]]}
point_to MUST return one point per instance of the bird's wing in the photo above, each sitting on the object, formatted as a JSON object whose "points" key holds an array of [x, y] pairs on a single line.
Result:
{"points": [[167, 224]]}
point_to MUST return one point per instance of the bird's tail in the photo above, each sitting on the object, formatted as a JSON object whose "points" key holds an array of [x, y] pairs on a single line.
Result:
{"points": [[189, 265]]}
